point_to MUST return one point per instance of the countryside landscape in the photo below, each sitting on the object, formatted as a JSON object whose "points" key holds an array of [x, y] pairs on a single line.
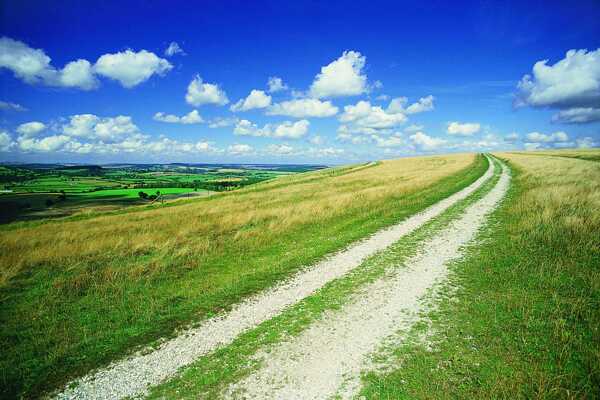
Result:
{"points": [[230, 200]]}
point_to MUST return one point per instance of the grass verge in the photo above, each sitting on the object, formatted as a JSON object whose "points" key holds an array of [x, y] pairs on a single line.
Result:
{"points": [[520, 318]]}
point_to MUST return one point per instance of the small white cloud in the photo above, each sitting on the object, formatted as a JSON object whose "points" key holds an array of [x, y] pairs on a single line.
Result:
{"points": [[342, 77], [276, 84], [240, 149], [193, 117], [511, 137], [303, 108], [110, 129], [47, 144], [424, 104], [8, 106], [538, 137], [426, 142], [413, 128], [173, 49], [577, 115], [287, 129], [199, 93], [30, 129], [316, 140], [394, 140], [6, 142], [463, 129], [363, 116], [221, 122], [255, 100], [586, 142], [130, 68], [280, 149], [382, 97]]}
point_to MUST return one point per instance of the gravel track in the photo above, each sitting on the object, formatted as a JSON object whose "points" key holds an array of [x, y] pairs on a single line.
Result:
{"points": [[133, 375], [328, 357]]}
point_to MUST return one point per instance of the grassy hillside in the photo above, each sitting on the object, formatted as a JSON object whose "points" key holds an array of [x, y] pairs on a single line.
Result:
{"points": [[78, 293], [525, 319]]}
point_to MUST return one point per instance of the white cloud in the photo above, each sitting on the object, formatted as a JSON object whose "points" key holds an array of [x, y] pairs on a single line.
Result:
{"points": [[577, 115], [8, 106], [394, 140], [221, 122], [173, 49], [511, 137], [382, 97], [316, 140], [193, 117], [325, 152], [5, 141], [424, 104], [33, 67], [544, 138], [463, 129], [280, 149], [30, 129], [199, 93], [572, 82], [586, 142], [256, 99], [240, 149], [426, 142], [367, 118], [413, 128], [303, 108], [130, 68], [276, 84], [47, 144], [109, 129], [287, 129], [342, 77]]}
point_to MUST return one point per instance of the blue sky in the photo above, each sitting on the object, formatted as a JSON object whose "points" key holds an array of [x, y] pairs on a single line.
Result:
{"points": [[354, 82]]}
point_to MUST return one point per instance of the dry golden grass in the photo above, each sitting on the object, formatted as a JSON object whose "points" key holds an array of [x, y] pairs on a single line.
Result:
{"points": [[258, 214]]}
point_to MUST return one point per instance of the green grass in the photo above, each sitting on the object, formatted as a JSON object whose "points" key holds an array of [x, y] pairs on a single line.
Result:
{"points": [[207, 377], [520, 318], [58, 322]]}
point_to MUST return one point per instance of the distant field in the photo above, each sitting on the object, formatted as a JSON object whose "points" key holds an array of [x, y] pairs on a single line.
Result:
{"points": [[34, 192], [77, 293]]}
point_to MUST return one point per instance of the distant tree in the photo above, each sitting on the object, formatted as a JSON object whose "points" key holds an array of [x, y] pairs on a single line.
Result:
{"points": [[152, 197], [62, 196], [49, 202], [143, 195], [157, 193]]}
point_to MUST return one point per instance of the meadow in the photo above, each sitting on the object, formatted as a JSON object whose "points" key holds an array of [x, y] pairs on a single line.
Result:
{"points": [[77, 293]]}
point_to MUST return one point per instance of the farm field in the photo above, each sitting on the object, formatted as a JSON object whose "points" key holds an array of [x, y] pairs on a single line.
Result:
{"points": [[43, 191]]}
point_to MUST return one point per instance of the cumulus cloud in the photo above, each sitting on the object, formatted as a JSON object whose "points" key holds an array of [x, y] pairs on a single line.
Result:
{"points": [[577, 115], [413, 128], [287, 129], [397, 105], [5, 141], [316, 140], [240, 149], [571, 85], [276, 84], [8, 106], [108, 129], [256, 99], [365, 118], [173, 49], [131, 68], [538, 137], [511, 137], [47, 144], [280, 149], [394, 140], [586, 142], [222, 122], [342, 77], [303, 108], [193, 117], [325, 152], [30, 129], [199, 93], [462, 129], [33, 67], [426, 142]]}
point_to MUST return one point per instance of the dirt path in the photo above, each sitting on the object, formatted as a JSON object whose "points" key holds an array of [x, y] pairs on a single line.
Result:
{"points": [[328, 357], [132, 376]]}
